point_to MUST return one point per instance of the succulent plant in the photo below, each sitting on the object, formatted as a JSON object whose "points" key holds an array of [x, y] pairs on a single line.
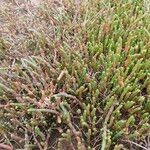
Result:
{"points": [[76, 75]]}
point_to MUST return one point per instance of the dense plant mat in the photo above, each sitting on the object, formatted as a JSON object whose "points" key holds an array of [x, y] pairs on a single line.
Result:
{"points": [[75, 75]]}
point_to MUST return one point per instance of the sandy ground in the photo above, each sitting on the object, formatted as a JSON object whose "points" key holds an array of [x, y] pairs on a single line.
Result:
{"points": [[16, 8], [20, 22], [17, 17]]}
